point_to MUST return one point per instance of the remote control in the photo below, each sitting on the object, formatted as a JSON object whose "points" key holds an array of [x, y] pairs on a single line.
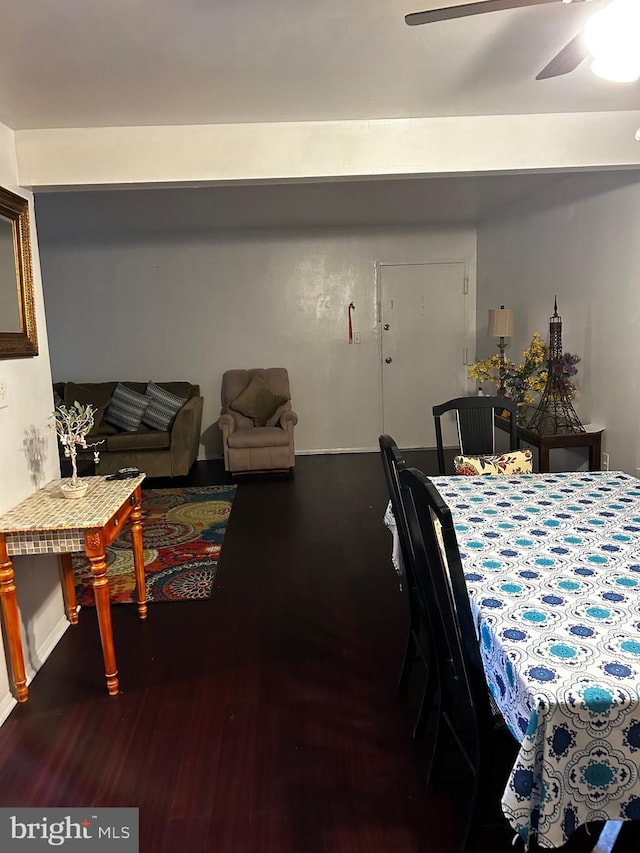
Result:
{"points": [[124, 474]]}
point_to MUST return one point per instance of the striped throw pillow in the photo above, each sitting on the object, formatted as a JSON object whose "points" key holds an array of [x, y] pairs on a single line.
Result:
{"points": [[126, 408], [163, 407]]}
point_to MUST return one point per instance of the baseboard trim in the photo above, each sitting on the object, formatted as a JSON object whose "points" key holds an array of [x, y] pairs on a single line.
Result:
{"points": [[49, 645], [8, 702], [6, 707], [328, 451]]}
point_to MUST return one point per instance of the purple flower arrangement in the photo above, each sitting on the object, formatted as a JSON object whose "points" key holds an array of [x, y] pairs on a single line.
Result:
{"points": [[563, 369]]}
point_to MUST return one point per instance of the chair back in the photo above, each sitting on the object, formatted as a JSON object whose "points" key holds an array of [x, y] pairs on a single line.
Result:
{"points": [[393, 463], [440, 579], [476, 427], [419, 642], [235, 381]]}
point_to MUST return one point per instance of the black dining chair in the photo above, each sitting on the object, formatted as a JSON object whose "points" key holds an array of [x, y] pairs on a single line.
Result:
{"points": [[465, 715], [475, 422], [417, 646]]}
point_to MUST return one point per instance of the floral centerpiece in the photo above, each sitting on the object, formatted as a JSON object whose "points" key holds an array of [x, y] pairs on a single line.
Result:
{"points": [[521, 380], [72, 425]]}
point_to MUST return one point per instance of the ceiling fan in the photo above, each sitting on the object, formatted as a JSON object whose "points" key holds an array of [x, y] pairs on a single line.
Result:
{"points": [[568, 59]]}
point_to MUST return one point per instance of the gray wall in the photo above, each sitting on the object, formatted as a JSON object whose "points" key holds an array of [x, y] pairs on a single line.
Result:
{"points": [[579, 240], [171, 302]]}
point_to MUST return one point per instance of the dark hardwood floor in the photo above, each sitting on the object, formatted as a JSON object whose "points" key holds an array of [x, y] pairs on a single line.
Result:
{"points": [[264, 720]]}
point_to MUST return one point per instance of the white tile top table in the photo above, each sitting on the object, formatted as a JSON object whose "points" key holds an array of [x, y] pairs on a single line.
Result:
{"points": [[48, 523]]}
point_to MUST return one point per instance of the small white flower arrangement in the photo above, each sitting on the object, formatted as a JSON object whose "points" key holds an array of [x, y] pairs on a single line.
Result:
{"points": [[72, 425]]}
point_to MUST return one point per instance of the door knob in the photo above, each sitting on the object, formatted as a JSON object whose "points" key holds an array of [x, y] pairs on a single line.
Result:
{"points": [[386, 327], [388, 360]]}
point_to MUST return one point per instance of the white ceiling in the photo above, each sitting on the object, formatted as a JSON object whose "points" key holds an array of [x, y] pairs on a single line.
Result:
{"points": [[91, 63], [114, 63]]}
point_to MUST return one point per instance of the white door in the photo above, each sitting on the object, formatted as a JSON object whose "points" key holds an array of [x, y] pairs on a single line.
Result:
{"points": [[424, 345]]}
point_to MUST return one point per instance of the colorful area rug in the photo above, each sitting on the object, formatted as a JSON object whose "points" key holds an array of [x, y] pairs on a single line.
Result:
{"points": [[182, 533]]}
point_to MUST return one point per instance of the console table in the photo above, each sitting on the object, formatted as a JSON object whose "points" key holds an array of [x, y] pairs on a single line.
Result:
{"points": [[48, 523], [591, 438]]}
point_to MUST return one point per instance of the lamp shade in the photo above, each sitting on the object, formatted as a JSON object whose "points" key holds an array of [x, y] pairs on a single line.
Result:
{"points": [[500, 322]]}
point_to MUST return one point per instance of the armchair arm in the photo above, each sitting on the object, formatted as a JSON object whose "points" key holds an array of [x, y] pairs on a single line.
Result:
{"points": [[227, 424], [185, 436], [288, 418]]}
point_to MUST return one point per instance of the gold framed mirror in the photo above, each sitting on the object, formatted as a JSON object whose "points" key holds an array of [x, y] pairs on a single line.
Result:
{"points": [[18, 334]]}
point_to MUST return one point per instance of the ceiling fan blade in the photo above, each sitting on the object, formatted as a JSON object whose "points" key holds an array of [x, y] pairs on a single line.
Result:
{"points": [[466, 9], [571, 55]]}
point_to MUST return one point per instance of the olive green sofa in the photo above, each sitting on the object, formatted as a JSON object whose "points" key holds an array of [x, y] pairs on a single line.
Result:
{"points": [[155, 452]]}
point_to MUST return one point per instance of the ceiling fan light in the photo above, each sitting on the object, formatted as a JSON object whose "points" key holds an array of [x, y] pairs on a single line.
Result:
{"points": [[618, 69], [614, 29]]}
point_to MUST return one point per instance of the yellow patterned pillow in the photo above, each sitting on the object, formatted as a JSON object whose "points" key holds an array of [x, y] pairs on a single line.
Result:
{"points": [[516, 462]]}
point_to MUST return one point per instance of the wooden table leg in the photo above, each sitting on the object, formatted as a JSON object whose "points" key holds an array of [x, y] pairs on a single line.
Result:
{"points": [[69, 588], [595, 454], [12, 622], [95, 549], [138, 554], [543, 451]]}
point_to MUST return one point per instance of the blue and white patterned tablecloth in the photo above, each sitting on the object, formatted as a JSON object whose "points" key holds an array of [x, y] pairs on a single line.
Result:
{"points": [[552, 563]]}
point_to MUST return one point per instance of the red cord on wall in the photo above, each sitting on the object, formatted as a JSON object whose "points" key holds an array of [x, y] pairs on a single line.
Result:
{"points": [[352, 307]]}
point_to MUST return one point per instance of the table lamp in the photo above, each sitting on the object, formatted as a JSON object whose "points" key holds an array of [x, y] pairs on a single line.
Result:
{"points": [[501, 326]]}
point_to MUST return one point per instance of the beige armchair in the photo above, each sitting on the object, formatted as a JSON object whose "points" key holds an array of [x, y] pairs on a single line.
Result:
{"points": [[257, 420]]}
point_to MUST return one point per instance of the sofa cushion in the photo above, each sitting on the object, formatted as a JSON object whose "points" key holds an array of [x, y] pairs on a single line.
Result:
{"points": [[98, 422], [97, 394], [126, 408], [102, 429], [265, 437], [151, 439], [180, 389], [258, 401], [163, 407], [516, 462]]}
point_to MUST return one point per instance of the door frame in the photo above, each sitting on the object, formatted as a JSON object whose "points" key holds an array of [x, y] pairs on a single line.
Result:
{"points": [[470, 331]]}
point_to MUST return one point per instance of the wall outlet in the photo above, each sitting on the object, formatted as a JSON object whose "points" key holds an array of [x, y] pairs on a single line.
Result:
{"points": [[605, 461], [4, 394], [356, 337]]}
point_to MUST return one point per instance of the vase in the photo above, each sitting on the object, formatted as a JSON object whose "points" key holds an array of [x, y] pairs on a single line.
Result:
{"points": [[73, 491]]}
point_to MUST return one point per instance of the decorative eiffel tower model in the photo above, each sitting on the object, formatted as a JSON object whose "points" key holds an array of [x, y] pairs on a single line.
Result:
{"points": [[555, 413]]}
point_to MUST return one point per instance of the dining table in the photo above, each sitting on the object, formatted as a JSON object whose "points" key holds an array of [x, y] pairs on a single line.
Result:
{"points": [[552, 567]]}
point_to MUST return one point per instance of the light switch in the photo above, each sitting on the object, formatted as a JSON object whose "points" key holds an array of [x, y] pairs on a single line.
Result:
{"points": [[4, 394]]}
